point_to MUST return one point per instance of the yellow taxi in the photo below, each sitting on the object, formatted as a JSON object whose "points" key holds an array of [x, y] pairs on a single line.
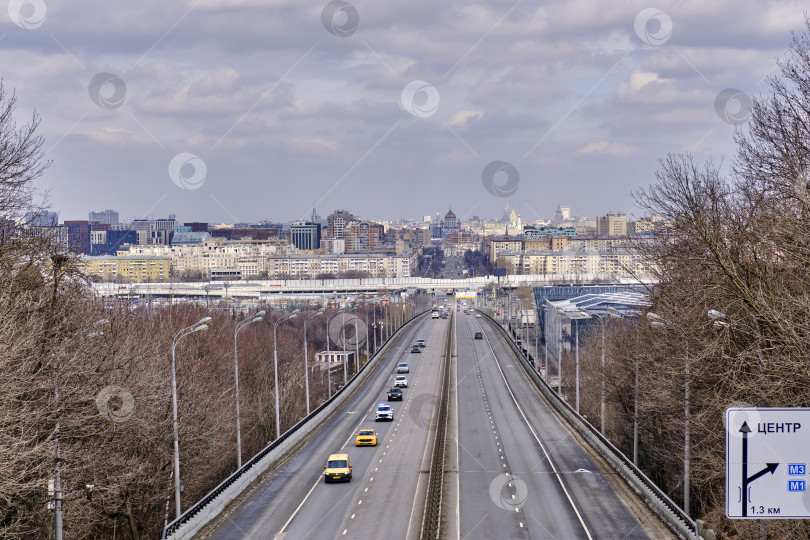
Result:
{"points": [[338, 468], [366, 437]]}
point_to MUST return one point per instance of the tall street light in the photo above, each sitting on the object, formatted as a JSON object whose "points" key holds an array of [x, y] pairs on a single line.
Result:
{"points": [[275, 367], [306, 356], [199, 326], [58, 497], [374, 326], [256, 318], [328, 350], [660, 322]]}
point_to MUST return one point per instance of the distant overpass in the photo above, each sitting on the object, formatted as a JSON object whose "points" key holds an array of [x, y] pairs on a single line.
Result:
{"points": [[268, 289]]}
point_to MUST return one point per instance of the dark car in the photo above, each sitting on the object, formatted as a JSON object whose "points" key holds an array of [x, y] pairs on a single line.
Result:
{"points": [[479, 335], [395, 394], [416, 349]]}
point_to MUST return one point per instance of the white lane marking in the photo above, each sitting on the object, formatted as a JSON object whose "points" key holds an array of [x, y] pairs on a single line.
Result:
{"points": [[542, 446], [299, 506]]}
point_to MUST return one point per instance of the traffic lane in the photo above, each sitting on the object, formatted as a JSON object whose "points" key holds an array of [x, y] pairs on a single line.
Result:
{"points": [[584, 479], [536, 492], [390, 486], [480, 453], [266, 509], [321, 514]]}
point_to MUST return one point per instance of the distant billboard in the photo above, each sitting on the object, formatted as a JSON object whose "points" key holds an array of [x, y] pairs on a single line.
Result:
{"points": [[500, 272]]}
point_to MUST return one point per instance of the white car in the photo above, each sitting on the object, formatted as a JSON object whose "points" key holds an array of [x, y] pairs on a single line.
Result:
{"points": [[401, 382], [384, 412], [402, 367]]}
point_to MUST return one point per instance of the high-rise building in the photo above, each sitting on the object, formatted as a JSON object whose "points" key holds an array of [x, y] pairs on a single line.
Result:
{"points": [[197, 226], [562, 214], [106, 217], [41, 219], [306, 235], [163, 230], [114, 240], [612, 224], [336, 223], [78, 236]]}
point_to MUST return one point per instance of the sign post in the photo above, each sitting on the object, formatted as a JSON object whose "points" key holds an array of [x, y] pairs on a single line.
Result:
{"points": [[767, 452]]}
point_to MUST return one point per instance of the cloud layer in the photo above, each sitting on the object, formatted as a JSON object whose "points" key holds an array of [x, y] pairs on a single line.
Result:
{"points": [[292, 104]]}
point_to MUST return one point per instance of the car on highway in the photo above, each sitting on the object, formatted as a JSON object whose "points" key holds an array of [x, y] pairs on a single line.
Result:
{"points": [[366, 437], [416, 349], [338, 468], [479, 335], [384, 412], [477, 315], [402, 367], [435, 315], [421, 342], [395, 394], [401, 381]]}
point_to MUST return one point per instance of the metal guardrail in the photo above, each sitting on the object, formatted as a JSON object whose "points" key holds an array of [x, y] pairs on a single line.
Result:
{"points": [[243, 477], [431, 519], [658, 501]]}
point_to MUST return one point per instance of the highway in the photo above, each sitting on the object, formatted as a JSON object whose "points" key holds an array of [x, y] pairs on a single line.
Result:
{"points": [[514, 470], [529, 476], [293, 502]]}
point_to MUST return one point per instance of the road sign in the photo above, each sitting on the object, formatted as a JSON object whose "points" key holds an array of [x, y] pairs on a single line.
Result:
{"points": [[767, 458]]}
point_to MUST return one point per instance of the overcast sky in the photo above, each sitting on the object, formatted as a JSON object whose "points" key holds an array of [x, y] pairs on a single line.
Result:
{"points": [[242, 110]]}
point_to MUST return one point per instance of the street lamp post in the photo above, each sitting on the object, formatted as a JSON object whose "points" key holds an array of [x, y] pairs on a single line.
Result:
{"points": [[343, 344], [306, 357], [275, 367], [58, 496], [256, 318], [659, 322], [328, 351], [368, 341], [199, 326], [721, 320]]}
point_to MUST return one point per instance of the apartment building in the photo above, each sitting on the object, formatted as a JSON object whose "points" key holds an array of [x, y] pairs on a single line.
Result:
{"points": [[612, 224], [618, 263], [127, 268], [272, 260]]}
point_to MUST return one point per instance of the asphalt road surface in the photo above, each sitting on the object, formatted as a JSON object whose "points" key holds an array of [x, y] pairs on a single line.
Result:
{"points": [[521, 473], [382, 500]]}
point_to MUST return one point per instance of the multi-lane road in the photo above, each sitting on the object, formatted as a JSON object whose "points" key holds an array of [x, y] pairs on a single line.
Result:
{"points": [[512, 471]]}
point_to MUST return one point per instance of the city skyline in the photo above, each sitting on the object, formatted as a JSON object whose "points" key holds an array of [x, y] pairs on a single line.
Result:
{"points": [[242, 110]]}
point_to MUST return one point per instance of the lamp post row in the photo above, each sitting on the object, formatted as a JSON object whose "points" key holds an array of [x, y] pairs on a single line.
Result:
{"points": [[201, 326]]}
